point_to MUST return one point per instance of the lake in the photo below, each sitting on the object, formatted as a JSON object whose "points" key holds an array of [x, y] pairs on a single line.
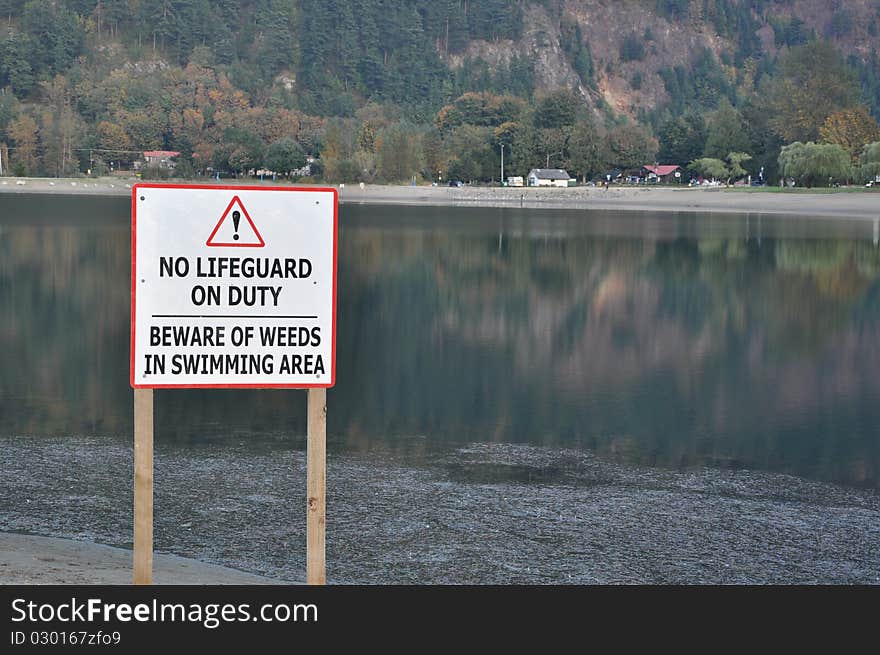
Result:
{"points": [[486, 358]]}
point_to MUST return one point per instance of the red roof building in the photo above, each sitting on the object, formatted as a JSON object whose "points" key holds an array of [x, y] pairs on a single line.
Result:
{"points": [[162, 158], [662, 170], [160, 154]]}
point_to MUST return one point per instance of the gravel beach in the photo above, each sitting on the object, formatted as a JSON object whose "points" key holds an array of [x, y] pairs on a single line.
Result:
{"points": [[478, 514], [659, 199]]}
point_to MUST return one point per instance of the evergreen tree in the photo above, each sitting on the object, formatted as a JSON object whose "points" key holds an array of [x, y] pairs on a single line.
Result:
{"points": [[369, 64], [726, 132], [682, 139], [275, 21]]}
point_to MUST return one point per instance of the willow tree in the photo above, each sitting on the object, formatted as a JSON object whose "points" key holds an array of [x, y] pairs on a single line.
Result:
{"points": [[710, 167], [869, 161], [815, 164]]}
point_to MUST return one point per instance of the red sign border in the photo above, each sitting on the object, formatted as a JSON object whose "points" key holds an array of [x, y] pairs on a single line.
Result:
{"points": [[230, 187]]}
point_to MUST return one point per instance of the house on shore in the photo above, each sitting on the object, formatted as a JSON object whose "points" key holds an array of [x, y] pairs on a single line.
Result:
{"points": [[548, 177], [160, 158], [661, 173]]}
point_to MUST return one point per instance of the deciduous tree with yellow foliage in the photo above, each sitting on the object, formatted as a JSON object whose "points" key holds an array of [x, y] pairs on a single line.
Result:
{"points": [[851, 128]]}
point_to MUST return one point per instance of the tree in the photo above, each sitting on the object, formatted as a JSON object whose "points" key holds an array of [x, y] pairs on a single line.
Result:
{"points": [[241, 160], [15, 66], [553, 121], [366, 138], [23, 132], [473, 155], [60, 127], [869, 161], [578, 51], [400, 152], [629, 146], [632, 48], [813, 82], [58, 35], [682, 139], [710, 167], [815, 164], [519, 140], [436, 157], [585, 149], [145, 128], [551, 146], [735, 161], [246, 149], [9, 109], [726, 132], [479, 109], [338, 146], [851, 128], [556, 110], [765, 141], [284, 156], [112, 137], [276, 45]]}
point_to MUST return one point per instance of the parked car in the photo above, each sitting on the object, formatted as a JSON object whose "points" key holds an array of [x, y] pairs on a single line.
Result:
{"points": [[456, 183]]}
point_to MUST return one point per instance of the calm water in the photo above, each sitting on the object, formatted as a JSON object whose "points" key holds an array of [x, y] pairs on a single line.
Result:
{"points": [[673, 342]]}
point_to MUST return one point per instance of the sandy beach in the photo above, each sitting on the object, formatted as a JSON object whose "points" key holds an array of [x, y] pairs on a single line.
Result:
{"points": [[659, 199], [28, 560]]}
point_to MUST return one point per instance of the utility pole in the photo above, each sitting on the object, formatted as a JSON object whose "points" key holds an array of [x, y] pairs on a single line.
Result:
{"points": [[502, 164]]}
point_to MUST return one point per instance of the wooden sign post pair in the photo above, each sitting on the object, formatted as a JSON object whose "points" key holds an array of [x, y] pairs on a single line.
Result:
{"points": [[233, 287]]}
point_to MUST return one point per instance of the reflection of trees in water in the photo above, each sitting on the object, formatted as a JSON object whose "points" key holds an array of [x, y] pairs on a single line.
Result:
{"points": [[64, 323], [672, 352], [723, 351]]}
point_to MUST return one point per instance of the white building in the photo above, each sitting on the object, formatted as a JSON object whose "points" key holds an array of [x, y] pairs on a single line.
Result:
{"points": [[548, 177]]}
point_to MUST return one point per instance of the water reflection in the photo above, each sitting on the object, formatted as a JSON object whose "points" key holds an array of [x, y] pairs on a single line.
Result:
{"points": [[675, 340]]}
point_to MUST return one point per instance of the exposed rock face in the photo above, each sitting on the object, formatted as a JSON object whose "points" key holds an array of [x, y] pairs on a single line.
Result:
{"points": [[628, 86]]}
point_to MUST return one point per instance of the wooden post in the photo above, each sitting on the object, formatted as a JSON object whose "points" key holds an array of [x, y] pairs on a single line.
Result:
{"points": [[316, 468], [143, 486]]}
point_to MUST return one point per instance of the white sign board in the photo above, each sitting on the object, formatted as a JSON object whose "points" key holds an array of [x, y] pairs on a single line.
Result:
{"points": [[233, 286]]}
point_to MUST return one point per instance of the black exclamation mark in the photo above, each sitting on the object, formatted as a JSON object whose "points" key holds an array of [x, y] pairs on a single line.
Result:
{"points": [[236, 217]]}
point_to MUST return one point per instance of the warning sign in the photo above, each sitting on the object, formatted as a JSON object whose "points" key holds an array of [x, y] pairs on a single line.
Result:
{"points": [[234, 231], [233, 286]]}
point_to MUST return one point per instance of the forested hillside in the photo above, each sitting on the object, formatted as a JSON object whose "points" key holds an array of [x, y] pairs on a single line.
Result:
{"points": [[387, 90]]}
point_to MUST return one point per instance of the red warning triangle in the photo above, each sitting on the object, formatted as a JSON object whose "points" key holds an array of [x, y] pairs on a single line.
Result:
{"points": [[233, 232]]}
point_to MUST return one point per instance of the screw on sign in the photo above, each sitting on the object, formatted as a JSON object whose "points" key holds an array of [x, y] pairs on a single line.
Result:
{"points": [[233, 287]]}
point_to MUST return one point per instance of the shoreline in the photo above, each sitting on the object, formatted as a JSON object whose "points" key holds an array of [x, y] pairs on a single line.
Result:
{"points": [[840, 204], [36, 560]]}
